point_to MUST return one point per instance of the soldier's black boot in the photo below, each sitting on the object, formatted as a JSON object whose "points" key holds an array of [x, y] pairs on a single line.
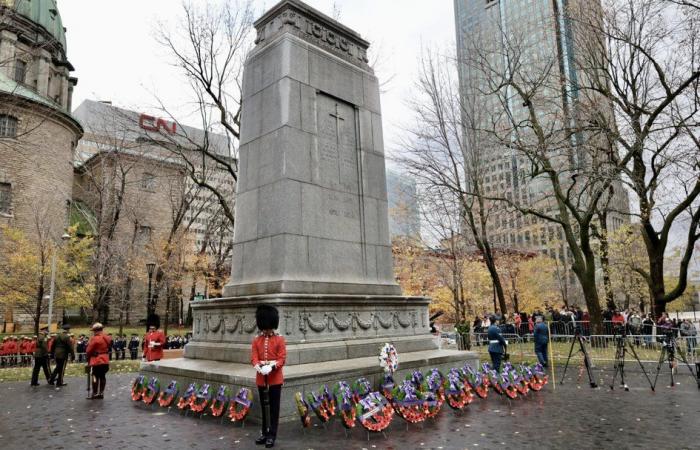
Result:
{"points": [[261, 440]]}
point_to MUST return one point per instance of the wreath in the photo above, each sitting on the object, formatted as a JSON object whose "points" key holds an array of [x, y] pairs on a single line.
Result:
{"points": [[303, 410], [388, 385], [346, 405], [374, 412], [219, 402], [389, 359], [137, 388], [150, 392], [434, 393], [361, 388], [457, 390], [408, 402], [239, 406], [199, 402], [475, 381], [508, 382], [165, 399], [539, 377], [185, 401], [493, 380], [521, 382], [323, 404]]}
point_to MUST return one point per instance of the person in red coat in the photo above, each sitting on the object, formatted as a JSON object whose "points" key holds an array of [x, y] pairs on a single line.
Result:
{"points": [[98, 360], [154, 340], [3, 352], [268, 356]]}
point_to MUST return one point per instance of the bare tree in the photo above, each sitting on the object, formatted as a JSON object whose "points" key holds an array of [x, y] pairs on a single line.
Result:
{"points": [[444, 151], [650, 74]]}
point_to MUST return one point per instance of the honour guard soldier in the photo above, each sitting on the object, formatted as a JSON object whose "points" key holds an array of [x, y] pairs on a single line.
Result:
{"points": [[268, 356], [3, 352], [41, 358], [154, 340], [62, 349], [134, 346], [497, 344], [98, 361]]}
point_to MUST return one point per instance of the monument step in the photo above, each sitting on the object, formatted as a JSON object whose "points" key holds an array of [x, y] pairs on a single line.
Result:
{"points": [[302, 378]]}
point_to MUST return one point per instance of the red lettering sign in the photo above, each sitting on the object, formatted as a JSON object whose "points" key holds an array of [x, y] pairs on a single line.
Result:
{"points": [[150, 123]]}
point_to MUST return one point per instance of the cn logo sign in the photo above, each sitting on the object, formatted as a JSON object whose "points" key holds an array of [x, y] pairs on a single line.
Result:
{"points": [[150, 123]]}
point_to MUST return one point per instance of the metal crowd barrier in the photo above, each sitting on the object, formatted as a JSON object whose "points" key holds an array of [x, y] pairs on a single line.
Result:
{"points": [[601, 348]]}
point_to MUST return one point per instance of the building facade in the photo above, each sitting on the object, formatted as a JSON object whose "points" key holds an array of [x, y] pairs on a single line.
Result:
{"points": [[38, 134], [134, 192], [535, 36]]}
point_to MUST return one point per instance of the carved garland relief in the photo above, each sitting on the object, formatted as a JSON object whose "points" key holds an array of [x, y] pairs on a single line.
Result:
{"points": [[208, 325]]}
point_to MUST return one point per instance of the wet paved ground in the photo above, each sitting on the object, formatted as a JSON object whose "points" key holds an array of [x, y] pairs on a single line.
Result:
{"points": [[573, 416]]}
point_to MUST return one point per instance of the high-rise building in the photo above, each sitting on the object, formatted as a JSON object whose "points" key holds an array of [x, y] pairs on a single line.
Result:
{"points": [[404, 214], [536, 36]]}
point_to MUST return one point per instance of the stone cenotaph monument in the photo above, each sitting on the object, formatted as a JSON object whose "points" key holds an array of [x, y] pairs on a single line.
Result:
{"points": [[311, 234]]}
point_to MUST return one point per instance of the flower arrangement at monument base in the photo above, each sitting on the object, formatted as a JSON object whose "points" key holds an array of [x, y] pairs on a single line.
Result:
{"points": [[507, 382], [433, 392], [374, 412], [151, 391], [201, 399], [475, 381], [457, 390], [166, 398], [137, 388], [408, 402], [186, 400], [346, 405], [539, 377], [323, 405], [303, 410], [239, 406], [361, 388], [219, 402]]}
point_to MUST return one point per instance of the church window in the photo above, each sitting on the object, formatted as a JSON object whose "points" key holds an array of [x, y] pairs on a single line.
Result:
{"points": [[148, 182], [5, 198], [8, 126], [20, 71]]}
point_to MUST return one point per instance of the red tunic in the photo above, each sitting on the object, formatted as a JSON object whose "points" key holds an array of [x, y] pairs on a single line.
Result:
{"points": [[272, 348], [155, 352], [98, 349], [3, 349], [11, 348]]}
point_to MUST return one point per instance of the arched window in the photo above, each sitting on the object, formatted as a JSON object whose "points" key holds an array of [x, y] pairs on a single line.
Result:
{"points": [[8, 126]]}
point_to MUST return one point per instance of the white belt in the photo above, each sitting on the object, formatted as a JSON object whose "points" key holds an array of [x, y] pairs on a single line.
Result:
{"points": [[494, 342]]}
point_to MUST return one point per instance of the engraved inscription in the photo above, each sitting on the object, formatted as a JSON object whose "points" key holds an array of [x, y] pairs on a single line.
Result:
{"points": [[337, 145]]}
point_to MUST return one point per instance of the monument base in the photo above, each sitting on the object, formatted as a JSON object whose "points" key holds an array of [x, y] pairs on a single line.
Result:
{"points": [[301, 377]]}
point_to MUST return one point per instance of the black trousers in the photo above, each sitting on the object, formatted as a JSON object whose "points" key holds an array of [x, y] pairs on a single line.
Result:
{"points": [[275, 394], [57, 375], [134, 353], [41, 362]]}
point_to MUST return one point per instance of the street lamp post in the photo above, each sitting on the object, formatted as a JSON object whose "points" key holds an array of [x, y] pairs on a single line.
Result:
{"points": [[52, 288], [150, 267]]}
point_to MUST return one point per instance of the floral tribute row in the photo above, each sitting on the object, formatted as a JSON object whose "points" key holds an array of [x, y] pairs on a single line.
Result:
{"points": [[196, 398], [416, 398]]}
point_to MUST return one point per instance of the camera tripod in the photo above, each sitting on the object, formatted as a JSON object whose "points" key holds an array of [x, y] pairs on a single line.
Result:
{"points": [[622, 346], [668, 353], [586, 359]]}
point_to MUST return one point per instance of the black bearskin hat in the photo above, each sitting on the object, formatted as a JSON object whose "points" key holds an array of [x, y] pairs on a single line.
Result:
{"points": [[153, 321], [267, 317]]}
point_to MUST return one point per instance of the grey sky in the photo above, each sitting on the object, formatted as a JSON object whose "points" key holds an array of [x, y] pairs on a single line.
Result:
{"points": [[112, 48]]}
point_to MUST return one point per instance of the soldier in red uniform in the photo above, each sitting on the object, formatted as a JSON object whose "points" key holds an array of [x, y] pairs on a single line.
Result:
{"points": [[3, 352], [12, 348], [268, 356], [98, 360], [154, 340]]}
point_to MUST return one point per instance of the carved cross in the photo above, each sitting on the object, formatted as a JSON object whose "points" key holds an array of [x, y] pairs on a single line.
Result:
{"points": [[337, 118]]}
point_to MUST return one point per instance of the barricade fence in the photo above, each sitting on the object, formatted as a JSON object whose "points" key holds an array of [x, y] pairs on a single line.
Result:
{"points": [[582, 327], [600, 348]]}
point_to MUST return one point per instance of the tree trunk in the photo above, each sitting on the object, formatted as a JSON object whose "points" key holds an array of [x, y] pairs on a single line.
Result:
{"points": [[605, 261], [590, 294], [39, 305], [498, 287]]}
